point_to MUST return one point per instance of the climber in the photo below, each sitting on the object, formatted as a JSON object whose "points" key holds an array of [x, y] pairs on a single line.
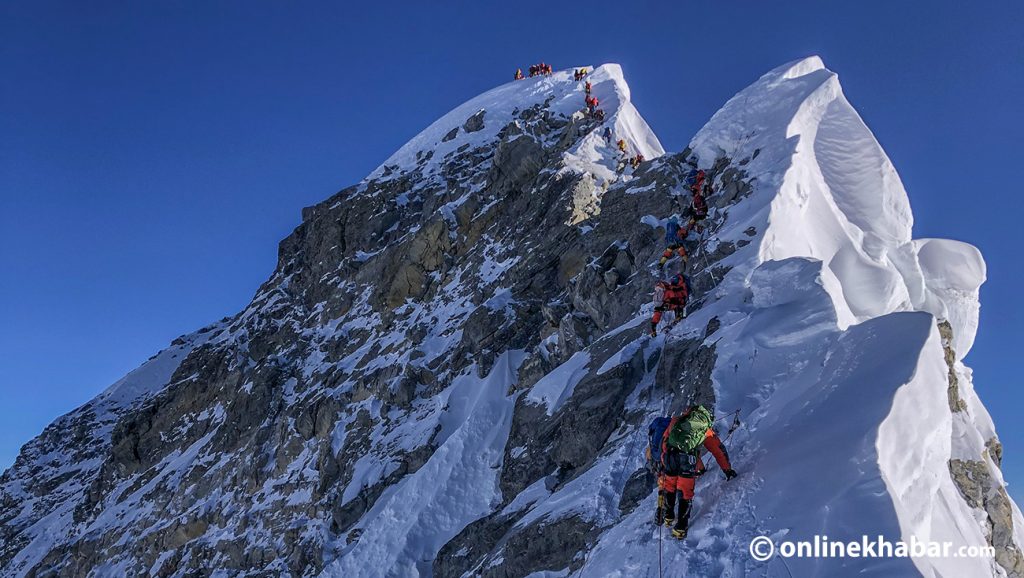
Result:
{"points": [[635, 161], [674, 237], [599, 115], [587, 87], [547, 68], [622, 145], [697, 184], [670, 295], [519, 74], [698, 208], [681, 463], [696, 212], [608, 135], [533, 70], [592, 103]]}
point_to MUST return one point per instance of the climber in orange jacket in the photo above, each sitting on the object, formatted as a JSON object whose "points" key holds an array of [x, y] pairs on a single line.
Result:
{"points": [[680, 469]]}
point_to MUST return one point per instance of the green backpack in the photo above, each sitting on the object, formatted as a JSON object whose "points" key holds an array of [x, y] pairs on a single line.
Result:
{"points": [[688, 432]]}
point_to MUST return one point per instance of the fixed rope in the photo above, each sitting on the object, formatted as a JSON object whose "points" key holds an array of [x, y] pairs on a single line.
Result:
{"points": [[735, 425], [661, 532]]}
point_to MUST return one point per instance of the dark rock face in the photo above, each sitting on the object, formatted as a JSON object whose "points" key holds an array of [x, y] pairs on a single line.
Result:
{"points": [[980, 490], [475, 122], [956, 403]]}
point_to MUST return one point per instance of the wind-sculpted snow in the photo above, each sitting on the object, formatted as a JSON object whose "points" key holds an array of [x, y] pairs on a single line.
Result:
{"points": [[450, 374]]}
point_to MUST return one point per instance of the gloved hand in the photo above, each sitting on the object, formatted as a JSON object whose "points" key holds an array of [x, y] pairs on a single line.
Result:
{"points": [[730, 474], [654, 330]]}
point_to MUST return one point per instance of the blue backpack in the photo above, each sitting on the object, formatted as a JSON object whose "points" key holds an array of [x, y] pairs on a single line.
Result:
{"points": [[671, 230], [655, 433]]}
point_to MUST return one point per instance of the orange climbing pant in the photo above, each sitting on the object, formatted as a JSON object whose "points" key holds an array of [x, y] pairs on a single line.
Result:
{"points": [[673, 249], [677, 484], [677, 308]]}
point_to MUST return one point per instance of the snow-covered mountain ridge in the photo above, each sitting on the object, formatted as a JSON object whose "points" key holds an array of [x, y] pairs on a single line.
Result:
{"points": [[449, 374]]}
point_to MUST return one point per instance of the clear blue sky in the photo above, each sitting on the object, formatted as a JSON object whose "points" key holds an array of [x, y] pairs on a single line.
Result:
{"points": [[152, 154]]}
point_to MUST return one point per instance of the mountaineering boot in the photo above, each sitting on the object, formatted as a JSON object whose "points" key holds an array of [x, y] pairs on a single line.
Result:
{"points": [[670, 509], [683, 522]]}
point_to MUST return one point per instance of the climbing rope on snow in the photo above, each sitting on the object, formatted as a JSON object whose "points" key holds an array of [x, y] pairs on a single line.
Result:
{"points": [[704, 254], [661, 532], [735, 425], [735, 414]]}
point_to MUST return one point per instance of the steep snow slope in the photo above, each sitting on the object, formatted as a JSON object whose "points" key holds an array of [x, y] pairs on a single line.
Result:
{"points": [[449, 372]]}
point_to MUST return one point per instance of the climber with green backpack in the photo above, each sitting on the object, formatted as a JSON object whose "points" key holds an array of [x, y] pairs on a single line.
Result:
{"points": [[680, 462]]}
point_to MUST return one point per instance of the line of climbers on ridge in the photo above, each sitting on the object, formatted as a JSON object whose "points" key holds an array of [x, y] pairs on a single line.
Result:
{"points": [[592, 102], [674, 443], [672, 294], [541, 69], [592, 108]]}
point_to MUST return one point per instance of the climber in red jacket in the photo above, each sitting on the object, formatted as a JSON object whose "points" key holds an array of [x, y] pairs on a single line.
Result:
{"points": [[696, 212], [698, 209], [670, 295]]}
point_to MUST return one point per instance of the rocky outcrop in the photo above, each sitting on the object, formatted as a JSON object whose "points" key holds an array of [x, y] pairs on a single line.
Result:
{"points": [[956, 403], [979, 490]]}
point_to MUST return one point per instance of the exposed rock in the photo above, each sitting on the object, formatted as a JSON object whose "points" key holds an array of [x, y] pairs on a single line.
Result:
{"points": [[475, 122], [585, 201], [995, 450], [638, 486], [980, 491], [956, 403]]}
